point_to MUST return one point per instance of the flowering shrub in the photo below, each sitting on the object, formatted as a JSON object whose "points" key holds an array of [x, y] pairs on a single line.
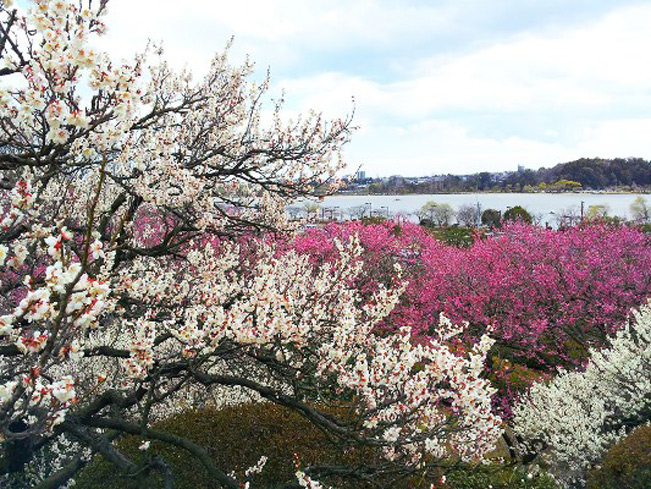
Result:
{"points": [[548, 295], [383, 245], [577, 416], [125, 295]]}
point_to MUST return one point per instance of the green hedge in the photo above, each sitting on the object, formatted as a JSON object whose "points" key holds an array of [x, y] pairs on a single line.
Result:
{"points": [[627, 465], [497, 477], [236, 438], [453, 235]]}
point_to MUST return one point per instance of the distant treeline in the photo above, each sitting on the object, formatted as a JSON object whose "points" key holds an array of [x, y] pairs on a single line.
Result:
{"points": [[587, 173]]}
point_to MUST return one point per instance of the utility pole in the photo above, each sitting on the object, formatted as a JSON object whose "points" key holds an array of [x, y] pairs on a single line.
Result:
{"points": [[478, 213]]}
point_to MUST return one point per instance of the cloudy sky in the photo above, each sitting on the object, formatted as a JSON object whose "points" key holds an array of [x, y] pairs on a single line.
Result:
{"points": [[440, 86]]}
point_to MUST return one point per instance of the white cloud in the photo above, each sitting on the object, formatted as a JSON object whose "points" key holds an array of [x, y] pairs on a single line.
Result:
{"points": [[451, 89], [585, 87], [436, 146]]}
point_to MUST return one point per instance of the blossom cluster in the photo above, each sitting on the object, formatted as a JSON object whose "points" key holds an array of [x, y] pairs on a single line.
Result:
{"points": [[125, 286], [311, 319], [547, 295], [55, 304], [577, 416]]}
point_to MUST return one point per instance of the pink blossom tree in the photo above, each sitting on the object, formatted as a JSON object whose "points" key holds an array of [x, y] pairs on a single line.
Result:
{"points": [[548, 295]]}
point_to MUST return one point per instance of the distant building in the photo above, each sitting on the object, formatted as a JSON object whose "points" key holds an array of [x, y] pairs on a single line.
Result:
{"points": [[361, 175], [520, 168]]}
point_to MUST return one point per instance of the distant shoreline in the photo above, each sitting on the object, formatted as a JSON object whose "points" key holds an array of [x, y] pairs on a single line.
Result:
{"points": [[480, 192]]}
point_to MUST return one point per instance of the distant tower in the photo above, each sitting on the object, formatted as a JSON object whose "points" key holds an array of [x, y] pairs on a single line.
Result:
{"points": [[361, 175], [520, 168]]}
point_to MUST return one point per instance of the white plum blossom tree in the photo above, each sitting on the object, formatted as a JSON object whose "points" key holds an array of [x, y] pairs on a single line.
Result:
{"points": [[573, 420], [125, 286]]}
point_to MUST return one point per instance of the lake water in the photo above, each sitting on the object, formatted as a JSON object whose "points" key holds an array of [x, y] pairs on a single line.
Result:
{"points": [[543, 205]]}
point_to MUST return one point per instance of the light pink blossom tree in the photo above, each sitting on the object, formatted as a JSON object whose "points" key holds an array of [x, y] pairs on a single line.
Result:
{"points": [[125, 297]]}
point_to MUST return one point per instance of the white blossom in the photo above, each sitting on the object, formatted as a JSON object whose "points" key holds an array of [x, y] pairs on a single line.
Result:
{"points": [[124, 276], [577, 416]]}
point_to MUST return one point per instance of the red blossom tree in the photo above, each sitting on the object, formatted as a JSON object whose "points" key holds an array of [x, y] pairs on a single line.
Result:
{"points": [[548, 295]]}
